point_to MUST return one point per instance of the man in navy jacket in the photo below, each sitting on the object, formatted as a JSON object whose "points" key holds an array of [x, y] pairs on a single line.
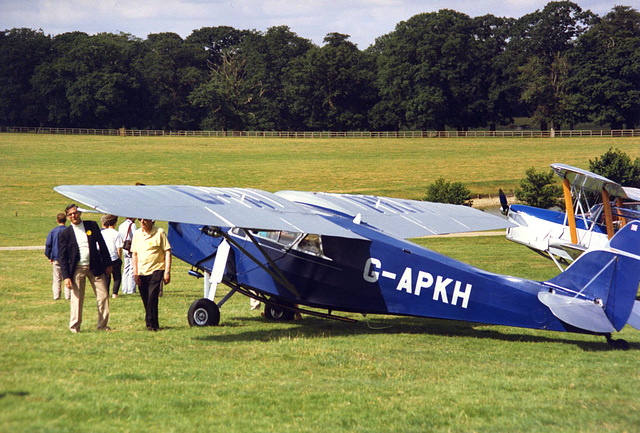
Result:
{"points": [[51, 251], [83, 254]]}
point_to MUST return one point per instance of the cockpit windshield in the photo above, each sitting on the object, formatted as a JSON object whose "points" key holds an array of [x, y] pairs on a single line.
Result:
{"points": [[307, 243], [282, 237]]}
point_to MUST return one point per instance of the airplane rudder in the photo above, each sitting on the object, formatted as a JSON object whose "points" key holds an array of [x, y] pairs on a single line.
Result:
{"points": [[627, 239]]}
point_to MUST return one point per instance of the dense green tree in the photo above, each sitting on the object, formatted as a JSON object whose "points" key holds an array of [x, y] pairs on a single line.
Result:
{"points": [[544, 89], [332, 87], [226, 95], [432, 73], [267, 57], [540, 43], [21, 52], [91, 82], [607, 72], [172, 68], [217, 41], [51, 79], [617, 166], [498, 92], [560, 65], [244, 87]]}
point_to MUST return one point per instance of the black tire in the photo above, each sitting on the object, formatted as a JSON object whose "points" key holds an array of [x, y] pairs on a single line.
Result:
{"points": [[203, 312], [276, 313]]}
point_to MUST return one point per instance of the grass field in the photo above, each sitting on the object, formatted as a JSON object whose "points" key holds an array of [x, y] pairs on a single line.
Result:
{"points": [[31, 165], [381, 374]]}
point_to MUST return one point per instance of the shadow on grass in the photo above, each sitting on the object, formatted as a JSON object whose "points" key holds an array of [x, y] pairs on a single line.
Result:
{"points": [[312, 327], [14, 393]]}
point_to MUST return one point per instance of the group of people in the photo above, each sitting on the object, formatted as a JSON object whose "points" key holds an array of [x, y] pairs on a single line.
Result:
{"points": [[82, 251]]}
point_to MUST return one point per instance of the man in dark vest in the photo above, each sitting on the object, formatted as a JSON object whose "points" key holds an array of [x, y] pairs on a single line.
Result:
{"points": [[83, 254]]}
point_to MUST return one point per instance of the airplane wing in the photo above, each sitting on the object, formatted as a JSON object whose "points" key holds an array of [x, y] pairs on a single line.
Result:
{"points": [[400, 217], [284, 210], [632, 193], [590, 181], [222, 207]]}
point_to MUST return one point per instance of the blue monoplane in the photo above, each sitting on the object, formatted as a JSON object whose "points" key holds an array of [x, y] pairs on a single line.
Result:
{"points": [[348, 253]]}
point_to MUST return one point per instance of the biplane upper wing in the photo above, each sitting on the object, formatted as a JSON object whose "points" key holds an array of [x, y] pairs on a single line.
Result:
{"points": [[632, 193], [285, 210], [400, 217], [590, 181]]}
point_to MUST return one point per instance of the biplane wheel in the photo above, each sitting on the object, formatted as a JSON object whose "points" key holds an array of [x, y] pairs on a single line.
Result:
{"points": [[203, 312], [273, 312]]}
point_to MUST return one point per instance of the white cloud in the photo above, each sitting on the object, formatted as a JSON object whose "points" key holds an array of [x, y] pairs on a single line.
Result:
{"points": [[364, 20]]}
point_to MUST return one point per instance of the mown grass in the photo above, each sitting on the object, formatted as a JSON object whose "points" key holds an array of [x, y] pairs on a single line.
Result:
{"points": [[31, 165], [380, 374]]}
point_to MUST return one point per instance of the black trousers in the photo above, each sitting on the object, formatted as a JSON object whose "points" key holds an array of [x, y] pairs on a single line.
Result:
{"points": [[149, 289], [117, 276]]}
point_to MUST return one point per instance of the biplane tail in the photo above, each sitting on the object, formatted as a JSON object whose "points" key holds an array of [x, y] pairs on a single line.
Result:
{"points": [[597, 293]]}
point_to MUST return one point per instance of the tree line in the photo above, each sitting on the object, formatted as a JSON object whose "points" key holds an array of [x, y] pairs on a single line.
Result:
{"points": [[560, 66]]}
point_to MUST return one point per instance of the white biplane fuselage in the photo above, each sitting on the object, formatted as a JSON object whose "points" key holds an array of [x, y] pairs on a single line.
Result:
{"points": [[596, 208]]}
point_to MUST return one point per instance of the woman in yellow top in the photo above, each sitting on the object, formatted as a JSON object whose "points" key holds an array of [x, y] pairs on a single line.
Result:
{"points": [[151, 258]]}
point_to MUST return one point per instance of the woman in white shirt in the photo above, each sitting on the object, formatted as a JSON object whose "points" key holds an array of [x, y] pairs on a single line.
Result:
{"points": [[114, 243]]}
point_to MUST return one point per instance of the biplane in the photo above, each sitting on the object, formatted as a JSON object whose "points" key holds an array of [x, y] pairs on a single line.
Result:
{"points": [[303, 252], [595, 209]]}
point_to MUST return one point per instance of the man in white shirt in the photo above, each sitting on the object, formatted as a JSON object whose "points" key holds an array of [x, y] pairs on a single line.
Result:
{"points": [[84, 254]]}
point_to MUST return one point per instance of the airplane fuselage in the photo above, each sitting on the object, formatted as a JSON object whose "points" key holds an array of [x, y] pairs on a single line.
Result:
{"points": [[385, 275], [546, 231]]}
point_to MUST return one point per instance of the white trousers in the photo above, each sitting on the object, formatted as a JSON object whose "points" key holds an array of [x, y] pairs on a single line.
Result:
{"points": [[128, 282]]}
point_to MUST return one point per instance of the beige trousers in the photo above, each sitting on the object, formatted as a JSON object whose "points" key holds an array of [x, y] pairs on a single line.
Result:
{"points": [[58, 284], [99, 285]]}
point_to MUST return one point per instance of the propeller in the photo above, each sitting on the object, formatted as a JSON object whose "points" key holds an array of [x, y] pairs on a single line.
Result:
{"points": [[504, 206]]}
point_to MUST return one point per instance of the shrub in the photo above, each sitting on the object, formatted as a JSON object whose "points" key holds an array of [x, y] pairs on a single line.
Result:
{"points": [[442, 191], [537, 189]]}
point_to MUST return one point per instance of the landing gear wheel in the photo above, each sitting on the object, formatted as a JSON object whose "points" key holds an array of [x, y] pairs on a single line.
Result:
{"points": [[273, 312], [203, 312], [617, 344]]}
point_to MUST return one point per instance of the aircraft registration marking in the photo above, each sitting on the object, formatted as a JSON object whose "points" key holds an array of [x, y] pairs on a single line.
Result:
{"points": [[423, 280], [390, 275]]}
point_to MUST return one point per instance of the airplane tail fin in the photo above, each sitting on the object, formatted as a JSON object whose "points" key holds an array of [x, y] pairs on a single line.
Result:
{"points": [[597, 292]]}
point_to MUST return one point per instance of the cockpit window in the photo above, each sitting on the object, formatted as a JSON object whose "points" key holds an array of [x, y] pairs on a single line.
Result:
{"points": [[284, 238], [288, 238], [308, 243], [311, 244]]}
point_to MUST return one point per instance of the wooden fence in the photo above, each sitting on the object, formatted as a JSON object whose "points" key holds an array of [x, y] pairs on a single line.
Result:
{"points": [[324, 134]]}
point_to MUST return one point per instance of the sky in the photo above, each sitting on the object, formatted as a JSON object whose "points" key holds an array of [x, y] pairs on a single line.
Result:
{"points": [[363, 20]]}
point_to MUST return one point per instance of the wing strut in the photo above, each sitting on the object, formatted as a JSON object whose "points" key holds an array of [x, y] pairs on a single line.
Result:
{"points": [[571, 217], [620, 218], [277, 275], [282, 278], [608, 219]]}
